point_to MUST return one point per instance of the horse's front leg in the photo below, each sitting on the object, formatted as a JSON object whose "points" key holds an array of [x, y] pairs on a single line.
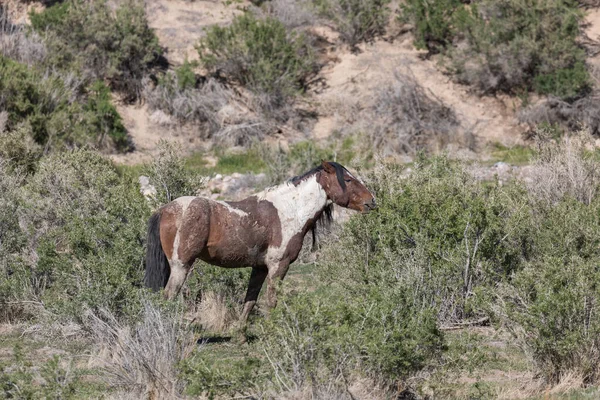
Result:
{"points": [[274, 278], [257, 278]]}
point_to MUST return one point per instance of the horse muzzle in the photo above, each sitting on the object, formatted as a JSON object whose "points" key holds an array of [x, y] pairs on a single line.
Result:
{"points": [[368, 207]]}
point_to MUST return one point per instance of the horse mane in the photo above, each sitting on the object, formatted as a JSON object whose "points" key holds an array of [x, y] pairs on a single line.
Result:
{"points": [[339, 172], [324, 221], [326, 218]]}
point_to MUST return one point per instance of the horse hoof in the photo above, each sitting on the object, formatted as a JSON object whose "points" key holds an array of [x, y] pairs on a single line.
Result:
{"points": [[242, 338]]}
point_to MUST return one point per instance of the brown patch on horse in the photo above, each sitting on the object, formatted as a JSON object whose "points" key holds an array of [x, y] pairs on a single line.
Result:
{"points": [[265, 213], [168, 226], [235, 234], [193, 230], [235, 239]]}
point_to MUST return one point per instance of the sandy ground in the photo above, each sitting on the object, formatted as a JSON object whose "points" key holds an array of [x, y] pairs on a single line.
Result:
{"points": [[146, 132], [359, 76], [179, 24], [350, 79]]}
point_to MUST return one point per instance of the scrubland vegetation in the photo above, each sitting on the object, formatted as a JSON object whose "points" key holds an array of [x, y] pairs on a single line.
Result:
{"points": [[443, 250], [399, 303]]}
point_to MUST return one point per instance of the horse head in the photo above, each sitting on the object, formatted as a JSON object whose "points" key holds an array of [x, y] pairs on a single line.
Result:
{"points": [[344, 189]]}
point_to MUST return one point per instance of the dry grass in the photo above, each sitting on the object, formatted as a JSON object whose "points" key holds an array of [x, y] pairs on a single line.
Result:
{"points": [[403, 118], [15, 43], [571, 116], [142, 359], [222, 114], [357, 388], [214, 313], [564, 168], [293, 14], [189, 105], [589, 3], [535, 387], [411, 118]]}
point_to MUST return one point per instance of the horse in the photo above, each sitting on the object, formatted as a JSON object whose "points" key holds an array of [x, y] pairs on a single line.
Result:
{"points": [[265, 231]]}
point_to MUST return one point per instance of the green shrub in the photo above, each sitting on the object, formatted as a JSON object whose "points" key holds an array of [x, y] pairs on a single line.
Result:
{"points": [[169, 176], [565, 83], [86, 225], [520, 47], [215, 375], [88, 36], [435, 22], [395, 275], [260, 54], [103, 118], [550, 303], [356, 20], [51, 17], [12, 239], [186, 78], [56, 115], [440, 231], [313, 338], [19, 149], [229, 284], [17, 380], [513, 46]]}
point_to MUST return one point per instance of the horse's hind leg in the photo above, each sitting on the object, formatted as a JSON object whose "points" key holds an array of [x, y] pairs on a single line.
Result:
{"points": [[179, 273], [185, 240]]}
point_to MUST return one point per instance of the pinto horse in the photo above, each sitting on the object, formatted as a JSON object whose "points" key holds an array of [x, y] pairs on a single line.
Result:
{"points": [[265, 231]]}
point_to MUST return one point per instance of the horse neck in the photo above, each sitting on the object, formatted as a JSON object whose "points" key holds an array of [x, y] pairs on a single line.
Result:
{"points": [[300, 204]]}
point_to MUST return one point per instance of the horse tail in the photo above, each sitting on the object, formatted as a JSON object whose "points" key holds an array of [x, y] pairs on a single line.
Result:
{"points": [[157, 265]]}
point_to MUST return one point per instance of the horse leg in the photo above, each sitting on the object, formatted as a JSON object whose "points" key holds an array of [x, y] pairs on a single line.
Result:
{"points": [[179, 273], [257, 278], [275, 276]]}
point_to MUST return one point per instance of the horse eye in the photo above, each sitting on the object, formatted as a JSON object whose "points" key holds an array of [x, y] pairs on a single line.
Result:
{"points": [[347, 180]]}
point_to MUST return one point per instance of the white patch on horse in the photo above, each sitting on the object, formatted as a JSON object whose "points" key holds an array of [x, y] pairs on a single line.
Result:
{"points": [[184, 202], [233, 209], [295, 205]]}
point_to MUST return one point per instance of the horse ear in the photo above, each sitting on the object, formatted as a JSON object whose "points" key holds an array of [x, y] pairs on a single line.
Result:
{"points": [[330, 169]]}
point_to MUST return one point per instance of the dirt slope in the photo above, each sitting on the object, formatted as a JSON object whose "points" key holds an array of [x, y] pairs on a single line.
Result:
{"points": [[179, 23], [350, 79], [146, 132], [356, 77]]}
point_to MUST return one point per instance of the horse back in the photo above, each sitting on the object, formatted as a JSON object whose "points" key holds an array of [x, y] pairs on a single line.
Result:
{"points": [[227, 234], [241, 232]]}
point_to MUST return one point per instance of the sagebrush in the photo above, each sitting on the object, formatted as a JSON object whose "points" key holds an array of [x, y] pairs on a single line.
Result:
{"points": [[117, 46], [262, 55]]}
